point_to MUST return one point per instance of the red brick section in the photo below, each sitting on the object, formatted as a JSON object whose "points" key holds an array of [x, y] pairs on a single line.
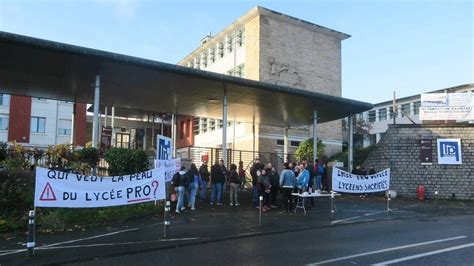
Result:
{"points": [[20, 119], [185, 133], [80, 124]]}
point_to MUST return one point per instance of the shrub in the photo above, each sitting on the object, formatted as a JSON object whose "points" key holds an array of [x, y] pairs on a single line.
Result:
{"points": [[89, 156], [125, 161], [305, 150]]}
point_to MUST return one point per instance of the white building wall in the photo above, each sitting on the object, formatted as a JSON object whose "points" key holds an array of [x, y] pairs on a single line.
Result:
{"points": [[226, 63]]}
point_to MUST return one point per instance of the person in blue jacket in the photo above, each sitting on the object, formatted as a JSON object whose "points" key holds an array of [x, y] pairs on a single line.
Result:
{"points": [[303, 179]]}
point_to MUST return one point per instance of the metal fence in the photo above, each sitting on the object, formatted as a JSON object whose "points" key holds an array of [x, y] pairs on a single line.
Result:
{"points": [[198, 154]]}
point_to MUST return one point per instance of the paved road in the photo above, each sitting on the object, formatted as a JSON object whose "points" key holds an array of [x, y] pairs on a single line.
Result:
{"points": [[420, 241]]}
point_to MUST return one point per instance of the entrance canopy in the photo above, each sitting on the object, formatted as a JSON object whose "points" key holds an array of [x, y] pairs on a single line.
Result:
{"points": [[47, 69]]}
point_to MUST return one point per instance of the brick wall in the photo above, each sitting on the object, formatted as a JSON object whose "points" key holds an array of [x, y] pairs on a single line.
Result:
{"points": [[399, 149]]}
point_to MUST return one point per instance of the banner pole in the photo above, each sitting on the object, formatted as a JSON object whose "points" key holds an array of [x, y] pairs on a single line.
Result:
{"points": [[332, 205], [260, 211], [30, 244], [388, 201], [166, 218]]}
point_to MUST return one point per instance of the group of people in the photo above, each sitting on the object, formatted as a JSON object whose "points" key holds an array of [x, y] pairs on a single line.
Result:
{"points": [[187, 183], [266, 181], [294, 177]]}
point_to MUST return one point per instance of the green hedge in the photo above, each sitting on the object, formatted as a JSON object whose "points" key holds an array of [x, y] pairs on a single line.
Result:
{"points": [[125, 161]]}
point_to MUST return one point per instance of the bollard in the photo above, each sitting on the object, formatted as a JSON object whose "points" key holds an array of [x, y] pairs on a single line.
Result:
{"points": [[332, 205], [166, 222], [388, 201], [260, 211], [30, 245], [436, 200]]}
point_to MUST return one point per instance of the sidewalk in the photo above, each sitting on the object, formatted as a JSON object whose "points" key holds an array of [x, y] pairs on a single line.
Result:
{"points": [[211, 224]]}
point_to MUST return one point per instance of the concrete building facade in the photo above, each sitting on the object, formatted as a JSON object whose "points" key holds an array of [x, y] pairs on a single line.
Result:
{"points": [[268, 46]]}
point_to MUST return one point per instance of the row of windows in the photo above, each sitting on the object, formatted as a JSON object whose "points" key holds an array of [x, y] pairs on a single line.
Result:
{"points": [[384, 115], [238, 71], [203, 125], [293, 143], [227, 46], [38, 124]]}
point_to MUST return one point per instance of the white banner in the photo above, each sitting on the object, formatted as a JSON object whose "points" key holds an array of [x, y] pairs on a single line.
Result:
{"points": [[68, 190], [449, 151], [447, 106], [343, 181], [171, 167]]}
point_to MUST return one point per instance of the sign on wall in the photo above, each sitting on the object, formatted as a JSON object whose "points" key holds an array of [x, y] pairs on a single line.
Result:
{"points": [[447, 106], [165, 148], [60, 189], [343, 181], [449, 151], [171, 167], [426, 152]]}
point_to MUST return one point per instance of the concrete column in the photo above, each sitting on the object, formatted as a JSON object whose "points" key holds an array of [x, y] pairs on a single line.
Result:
{"points": [[173, 133], [144, 140], [95, 121], [224, 128], [412, 109], [153, 130], [73, 120], [285, 143], [253, 139], [315, 135], [112, 124], [377, 115], [105, 116], [351, 144]]}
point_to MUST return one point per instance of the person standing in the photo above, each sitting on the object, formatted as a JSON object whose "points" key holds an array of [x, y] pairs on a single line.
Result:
{"points": [[180, 182], [217, 181], [318, 171], [303, 179], [275, 184], [234, 183], [204, 172], [253, 172], [288, 183], [194, 181], [242, 175], [264, 189]]}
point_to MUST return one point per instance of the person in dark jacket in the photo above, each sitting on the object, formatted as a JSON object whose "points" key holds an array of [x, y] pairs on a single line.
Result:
{"points": [[242, 175], [204, 172], [180, 182], [275, 184], [217, 181], [234, 183], [253, 172], [264, 186]]}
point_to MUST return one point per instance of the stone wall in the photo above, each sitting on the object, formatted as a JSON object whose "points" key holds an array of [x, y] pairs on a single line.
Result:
{"points": [[399, 149]]}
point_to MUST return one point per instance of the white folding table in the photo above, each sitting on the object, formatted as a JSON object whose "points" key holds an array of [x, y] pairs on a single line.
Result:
{"points": [[303, 196]]}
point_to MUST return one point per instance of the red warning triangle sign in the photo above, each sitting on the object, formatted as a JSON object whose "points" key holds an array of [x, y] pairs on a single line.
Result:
{"points": [[48, 194]]}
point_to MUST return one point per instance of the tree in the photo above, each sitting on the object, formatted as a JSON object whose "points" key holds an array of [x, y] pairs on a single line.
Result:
{"points": [[305, 150], [361, 127]]}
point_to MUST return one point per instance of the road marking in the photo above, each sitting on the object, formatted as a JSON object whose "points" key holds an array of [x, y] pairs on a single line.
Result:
{"points": [[388, 249], [343, 220], [79, 239], [119, 243], [425, 254]]}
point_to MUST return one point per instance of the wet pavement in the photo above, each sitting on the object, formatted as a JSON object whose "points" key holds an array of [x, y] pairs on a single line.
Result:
{"points": [[222, 224]]}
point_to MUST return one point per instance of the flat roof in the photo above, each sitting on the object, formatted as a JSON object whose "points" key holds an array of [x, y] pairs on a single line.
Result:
{"points": [[42, 68]]}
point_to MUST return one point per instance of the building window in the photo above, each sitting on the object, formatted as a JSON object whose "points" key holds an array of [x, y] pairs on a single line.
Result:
{"points": [[417, 106], [391, 113], [212, 55], [122, 140], [197, 63], [4, 122], [191, 64], [240, 37], [204, 60], [38, 124], [219, 123], [64, 127], [382, 114], [371, 116], [66, 102], [280, 142], [229, 43], [406, 109], [196, 126], [212, 124], [4, 99], [220, 50], [294, 143]]}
